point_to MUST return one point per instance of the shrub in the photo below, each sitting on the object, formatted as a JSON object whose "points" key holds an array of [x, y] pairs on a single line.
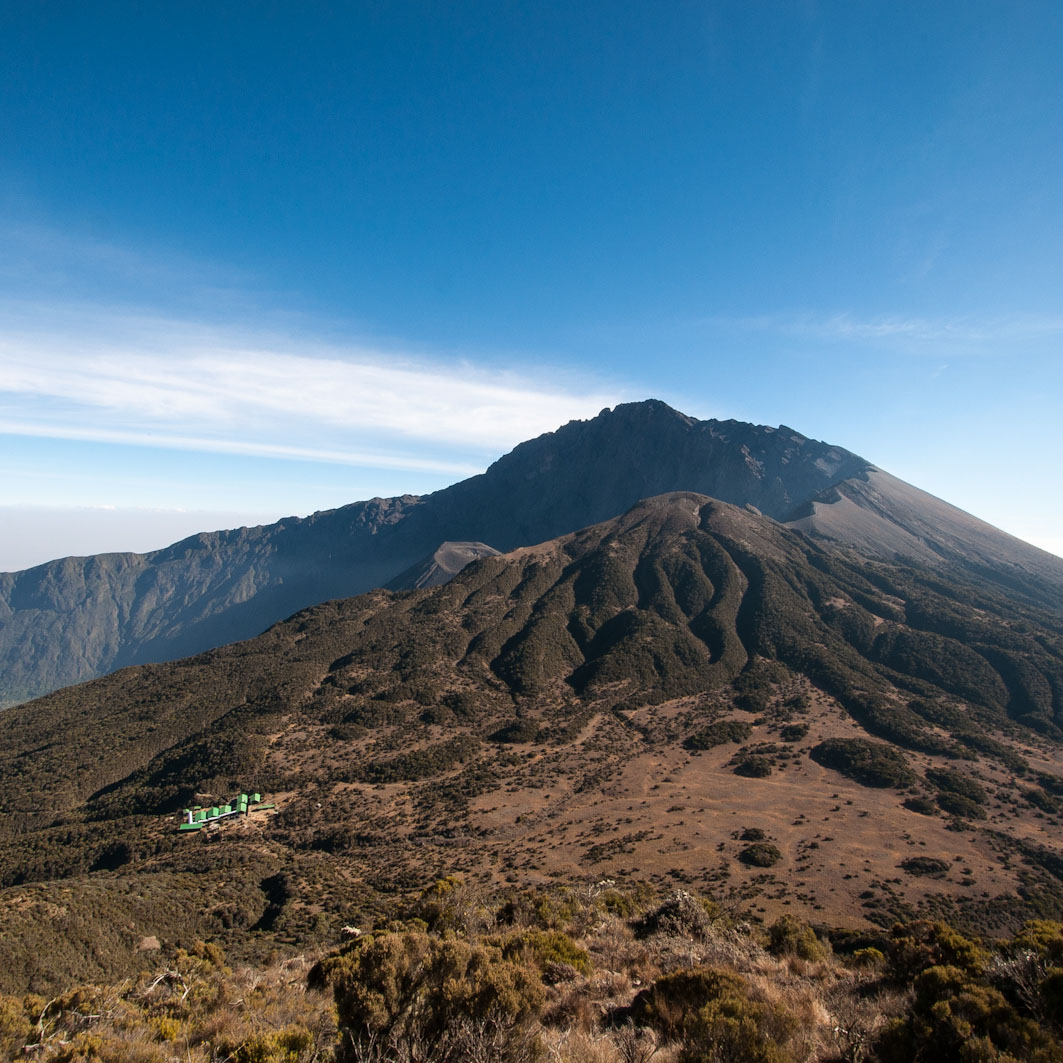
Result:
{"points": [[290, 1045], [956, 1018], [955, 782], [868, 763], [682, 915], [16, 1027], [788, 936], [668, 1004], [718, 734], [753, 767], [522, 730], [869, 957], [409, 988], [760, 854], [754, 701], [958, 805], [914, 947], [1046, 802], [422, 763], [928, 866], [1043, 937], [710, 1013], [544, 948], [448, 904]]}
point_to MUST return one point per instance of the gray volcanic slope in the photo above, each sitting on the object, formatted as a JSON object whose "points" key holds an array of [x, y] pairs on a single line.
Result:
{"points": [[441, 567], [77, 618]]}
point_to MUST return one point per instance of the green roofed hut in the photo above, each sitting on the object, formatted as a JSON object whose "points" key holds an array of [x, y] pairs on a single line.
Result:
{"points": [[197, 818]]}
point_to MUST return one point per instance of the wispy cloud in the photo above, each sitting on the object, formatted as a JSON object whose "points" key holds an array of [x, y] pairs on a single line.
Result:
{"points": [[912, 332], [145, 381]]}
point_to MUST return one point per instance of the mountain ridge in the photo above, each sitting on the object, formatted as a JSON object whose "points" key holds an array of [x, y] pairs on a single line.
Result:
{"points": [[75, 618]]}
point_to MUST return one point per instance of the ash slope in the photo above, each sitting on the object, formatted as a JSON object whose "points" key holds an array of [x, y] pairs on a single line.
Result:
{"points": [[625, 700], [76, 618], [441, 567]]}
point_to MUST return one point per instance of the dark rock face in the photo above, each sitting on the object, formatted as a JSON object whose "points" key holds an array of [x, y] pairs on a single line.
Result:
{"points": [[77, 618]]}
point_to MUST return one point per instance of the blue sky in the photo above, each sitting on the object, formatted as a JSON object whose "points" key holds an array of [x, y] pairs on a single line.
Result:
{"points": [[263, 259]]}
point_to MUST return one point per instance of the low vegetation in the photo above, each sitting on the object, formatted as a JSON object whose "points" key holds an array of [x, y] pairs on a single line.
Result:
{"points": [[718, 734], [583, 974], [868, 763]]}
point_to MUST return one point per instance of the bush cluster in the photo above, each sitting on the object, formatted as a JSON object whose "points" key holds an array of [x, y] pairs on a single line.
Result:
{"points": [[868, 763], [578, 974]]}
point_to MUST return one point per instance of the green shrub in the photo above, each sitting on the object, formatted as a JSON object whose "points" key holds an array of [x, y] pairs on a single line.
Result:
{"points": [[545, 947], [760, 854], [681, 915], [718, 734], [1043, 937], [868, 957], [956, 782], [422, 763], [667, 1005], [522, 730], [411, 988], [928, 866], [914, 947], [958, 805], [752, 766], [710, 1014], [788, 936], [448, 904], [868, 763], [16, 1027], [290, 1045], [956, 1018], [755, 701], [1043, 800]]}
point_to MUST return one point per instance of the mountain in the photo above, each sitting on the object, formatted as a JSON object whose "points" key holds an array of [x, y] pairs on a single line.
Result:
{"points": [[77, 618], [691, 692]]}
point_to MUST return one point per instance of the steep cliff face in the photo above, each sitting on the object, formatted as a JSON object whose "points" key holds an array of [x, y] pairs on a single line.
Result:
{"points": [[77, 618]]}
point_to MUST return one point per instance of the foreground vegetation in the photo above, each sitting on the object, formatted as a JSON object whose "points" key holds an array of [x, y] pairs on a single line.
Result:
{"points": [[591, 974]]}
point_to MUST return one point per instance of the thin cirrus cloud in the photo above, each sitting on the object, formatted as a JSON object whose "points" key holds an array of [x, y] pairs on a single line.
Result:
{"points": [[911, 333], [214, 390]]}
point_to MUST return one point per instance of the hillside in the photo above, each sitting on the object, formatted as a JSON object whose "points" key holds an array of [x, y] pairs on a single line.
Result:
{"points": [[76, 618], [689, 693]]}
